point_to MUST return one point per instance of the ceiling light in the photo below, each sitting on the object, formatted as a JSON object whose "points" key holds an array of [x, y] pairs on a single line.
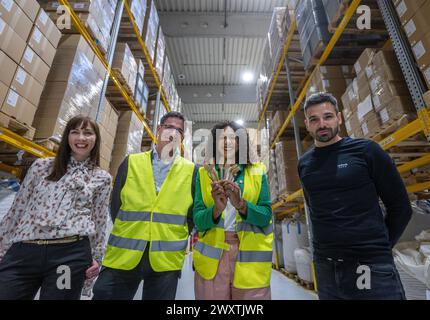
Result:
{"points": [[209, 95], [195, 95], [184, 25], [247, 76], [181, 76], [240, 122], [204, 25]]}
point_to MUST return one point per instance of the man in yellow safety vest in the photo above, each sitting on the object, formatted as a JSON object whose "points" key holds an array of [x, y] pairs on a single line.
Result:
{"points": [[151, 209]]}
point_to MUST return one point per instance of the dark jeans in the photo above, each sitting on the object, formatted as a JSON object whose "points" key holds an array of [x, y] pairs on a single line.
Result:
{"points": [[26, 268], [114, 284], [346, 280]]}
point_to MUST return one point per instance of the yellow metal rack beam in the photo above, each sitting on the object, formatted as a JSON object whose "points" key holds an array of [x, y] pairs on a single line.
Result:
{"points": [[287, 43], [339, 30], [23, 144], [84, 32], [146, 54], [17, 172]]}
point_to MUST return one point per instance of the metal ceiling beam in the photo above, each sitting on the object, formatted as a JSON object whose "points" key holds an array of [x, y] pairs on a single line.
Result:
{"points": [[218, 94], [239, 25]]}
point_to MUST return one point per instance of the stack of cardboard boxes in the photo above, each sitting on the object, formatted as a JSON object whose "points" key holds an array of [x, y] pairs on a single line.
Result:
{"points": [[108, 125], [377, 97], [286, 167], [312, 26], [128, 138], [96, 15], [414, 16], [138, 9], [141, 91], [150, 29], [28, 42], [73, 87], [160, 54], [125, 63]]}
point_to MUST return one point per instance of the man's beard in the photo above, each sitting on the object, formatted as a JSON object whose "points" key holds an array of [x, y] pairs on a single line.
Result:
{"points": [[332, 133]]}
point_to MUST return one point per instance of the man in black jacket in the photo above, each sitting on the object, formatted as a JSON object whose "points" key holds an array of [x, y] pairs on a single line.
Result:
{"points": [[343, 180]]}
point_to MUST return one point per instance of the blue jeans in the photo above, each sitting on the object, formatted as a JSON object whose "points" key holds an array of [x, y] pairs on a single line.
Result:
{"points": [[357, 280]]}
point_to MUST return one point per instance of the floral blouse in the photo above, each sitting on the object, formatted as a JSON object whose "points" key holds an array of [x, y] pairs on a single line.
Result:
{"points": [[77, 204]]}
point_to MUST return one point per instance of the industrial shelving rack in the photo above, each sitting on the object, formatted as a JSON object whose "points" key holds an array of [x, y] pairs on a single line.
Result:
{"points": [[293, 203], [152, 79]]}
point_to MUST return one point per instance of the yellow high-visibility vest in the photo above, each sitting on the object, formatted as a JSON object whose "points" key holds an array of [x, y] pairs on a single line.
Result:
{"points": [[254, 261], [147, 217]]}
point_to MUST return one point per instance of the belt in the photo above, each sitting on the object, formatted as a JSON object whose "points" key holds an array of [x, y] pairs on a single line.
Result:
{"points": [[55, 241]]}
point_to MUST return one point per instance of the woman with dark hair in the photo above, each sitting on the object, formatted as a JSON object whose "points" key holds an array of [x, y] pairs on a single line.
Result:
{"points": [[53, 237], [232, 212]]}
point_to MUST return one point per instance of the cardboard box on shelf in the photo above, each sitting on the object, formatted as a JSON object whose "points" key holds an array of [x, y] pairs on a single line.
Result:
{"points": [[418, 25], [16, 106], [10, 42], [150, 28], [286, 166], [41, 46], [48, 28], [386, 91], [3, 93], [26, 86], [364, 60], [30, 7], [396, 108], [364, 107], [8, 68], [407, 8], [422, 52], [34, 65], [427, 99], [13, 15], [363, 86]]}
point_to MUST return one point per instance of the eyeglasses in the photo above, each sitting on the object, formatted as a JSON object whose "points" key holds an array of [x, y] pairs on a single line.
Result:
{"points": [[170, 127]]}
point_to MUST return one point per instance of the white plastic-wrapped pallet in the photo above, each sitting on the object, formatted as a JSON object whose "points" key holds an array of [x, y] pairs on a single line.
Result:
{"points": [[412, 259], [294, 236]]}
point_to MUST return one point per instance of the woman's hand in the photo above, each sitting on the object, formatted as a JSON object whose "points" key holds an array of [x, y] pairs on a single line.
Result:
{"points": [[92, 271], [220, 199], [234, 194]]}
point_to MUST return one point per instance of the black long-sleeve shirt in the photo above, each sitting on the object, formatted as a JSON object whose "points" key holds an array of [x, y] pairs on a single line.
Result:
{"points": [[342, 185]]}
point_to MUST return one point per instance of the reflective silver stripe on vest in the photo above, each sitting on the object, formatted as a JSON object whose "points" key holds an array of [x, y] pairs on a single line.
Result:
{"points": [[254, 256], [208, 251], [157, 217], [126, 243], [134, 216], [243, 226], [169, 245], [169, 218]]}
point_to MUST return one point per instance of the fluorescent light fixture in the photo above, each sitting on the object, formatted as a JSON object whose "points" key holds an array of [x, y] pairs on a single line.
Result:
{"points": [[240, 122], [247, 76]]}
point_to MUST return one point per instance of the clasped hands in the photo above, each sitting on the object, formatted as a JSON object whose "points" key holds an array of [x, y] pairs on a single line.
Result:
{"points": [[225, 190]]}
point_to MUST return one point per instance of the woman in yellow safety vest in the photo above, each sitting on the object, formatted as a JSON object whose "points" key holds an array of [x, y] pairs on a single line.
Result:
{"points": [[233, 215]]}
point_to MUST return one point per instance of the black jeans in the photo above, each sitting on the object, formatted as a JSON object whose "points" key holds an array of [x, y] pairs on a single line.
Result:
{"points": [[357, 280], [114, 284], [58, 270]]}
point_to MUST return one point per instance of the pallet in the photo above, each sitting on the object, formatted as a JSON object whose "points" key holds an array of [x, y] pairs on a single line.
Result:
{"points": [[17, 127], [51, 145], [293, 276], [122, 80], [390, 127]]}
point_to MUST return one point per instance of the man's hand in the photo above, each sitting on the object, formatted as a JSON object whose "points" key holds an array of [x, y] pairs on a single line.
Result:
{"points": [[92, 271]]}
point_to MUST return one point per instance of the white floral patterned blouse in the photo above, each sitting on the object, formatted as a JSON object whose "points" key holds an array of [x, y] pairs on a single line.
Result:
{"points": [[77, 204]]}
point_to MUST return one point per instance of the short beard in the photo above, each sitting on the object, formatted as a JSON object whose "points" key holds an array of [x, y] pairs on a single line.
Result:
{"points": [[333, 133]]}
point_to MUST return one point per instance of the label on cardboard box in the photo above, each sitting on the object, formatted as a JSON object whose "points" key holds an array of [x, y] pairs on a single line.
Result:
{"points": [[365, 128], [7, 4], [357, 67], [419, 50], [364, 107], [410, 28], [21, 76], [427, 74], [37, 35], [55, 5], [12, 98], [43, 17], [323, 69], [384, 115], [2, 25], [28, 55], [79, 5], [348, 126], [401, 9], [374, 83], [369, 71]]}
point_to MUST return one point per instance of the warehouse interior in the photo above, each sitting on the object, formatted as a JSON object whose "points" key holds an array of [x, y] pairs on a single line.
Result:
{"points": [[126, 63]]}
